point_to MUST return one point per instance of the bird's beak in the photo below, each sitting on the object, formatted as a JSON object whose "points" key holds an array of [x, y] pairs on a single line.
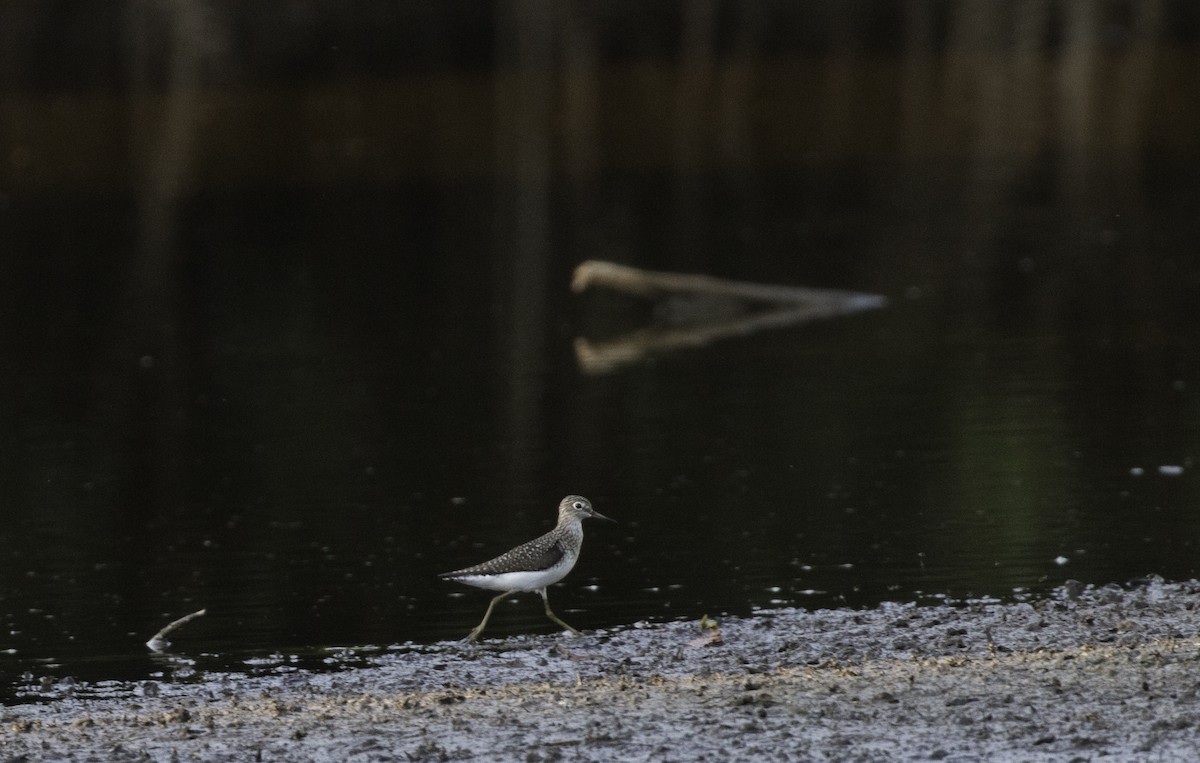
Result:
{"points": [[598, 515]]}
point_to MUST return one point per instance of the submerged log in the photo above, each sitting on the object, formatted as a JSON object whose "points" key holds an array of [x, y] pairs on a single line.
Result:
{"points": [[700, 310]]}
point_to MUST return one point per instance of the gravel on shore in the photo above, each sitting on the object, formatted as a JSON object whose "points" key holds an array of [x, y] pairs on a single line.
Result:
{"points": [[1086, 673]]}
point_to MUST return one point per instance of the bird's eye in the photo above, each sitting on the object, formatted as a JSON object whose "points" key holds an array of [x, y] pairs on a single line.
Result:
{"points": [[578, 505]]}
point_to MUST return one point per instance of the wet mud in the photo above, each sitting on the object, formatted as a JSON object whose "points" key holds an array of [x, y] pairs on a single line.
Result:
{"points": [[1084, 674]]}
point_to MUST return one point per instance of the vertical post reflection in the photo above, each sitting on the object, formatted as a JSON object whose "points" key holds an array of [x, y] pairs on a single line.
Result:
{"points": [[523, 145], [168, 38]]}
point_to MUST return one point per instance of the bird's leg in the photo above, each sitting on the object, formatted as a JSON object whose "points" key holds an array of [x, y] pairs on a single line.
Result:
{"points": [[553, 616], [479, 628]]}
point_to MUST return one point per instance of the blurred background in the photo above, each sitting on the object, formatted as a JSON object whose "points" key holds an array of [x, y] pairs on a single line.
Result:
{"points": [[286, 326]]}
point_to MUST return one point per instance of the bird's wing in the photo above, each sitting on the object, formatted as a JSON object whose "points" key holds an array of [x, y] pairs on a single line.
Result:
{"points": [[534, 555]]}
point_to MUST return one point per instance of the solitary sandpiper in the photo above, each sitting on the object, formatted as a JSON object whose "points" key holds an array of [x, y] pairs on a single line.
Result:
{"points": [[534, 565]]}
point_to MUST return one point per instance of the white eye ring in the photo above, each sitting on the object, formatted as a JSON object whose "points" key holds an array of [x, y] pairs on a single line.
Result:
{"points": [[578, 504]]}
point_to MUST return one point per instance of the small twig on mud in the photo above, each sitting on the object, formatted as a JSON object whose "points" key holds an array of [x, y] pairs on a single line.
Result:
{"points": [[158, 642], [575, 655], [713, 635]]}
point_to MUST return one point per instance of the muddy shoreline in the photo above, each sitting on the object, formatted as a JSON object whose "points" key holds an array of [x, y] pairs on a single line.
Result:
{"points": [[1086, 673]]}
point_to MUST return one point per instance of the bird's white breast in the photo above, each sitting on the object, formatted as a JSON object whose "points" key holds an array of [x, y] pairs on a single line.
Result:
{"points": [[518, 581]]}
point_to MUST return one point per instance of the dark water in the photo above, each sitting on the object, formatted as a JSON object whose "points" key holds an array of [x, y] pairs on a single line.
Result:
{"points": [[287, 352]]}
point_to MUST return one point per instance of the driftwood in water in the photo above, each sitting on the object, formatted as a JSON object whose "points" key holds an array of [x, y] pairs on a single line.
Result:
{"points": [[655, 285], [158, 642], [774, 307]]}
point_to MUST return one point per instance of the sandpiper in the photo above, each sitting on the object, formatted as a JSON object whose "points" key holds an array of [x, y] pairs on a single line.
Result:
{"points": [[534, 565]]}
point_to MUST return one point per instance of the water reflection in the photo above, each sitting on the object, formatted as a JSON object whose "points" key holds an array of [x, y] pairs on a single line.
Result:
{"points": [[285, 317]]}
